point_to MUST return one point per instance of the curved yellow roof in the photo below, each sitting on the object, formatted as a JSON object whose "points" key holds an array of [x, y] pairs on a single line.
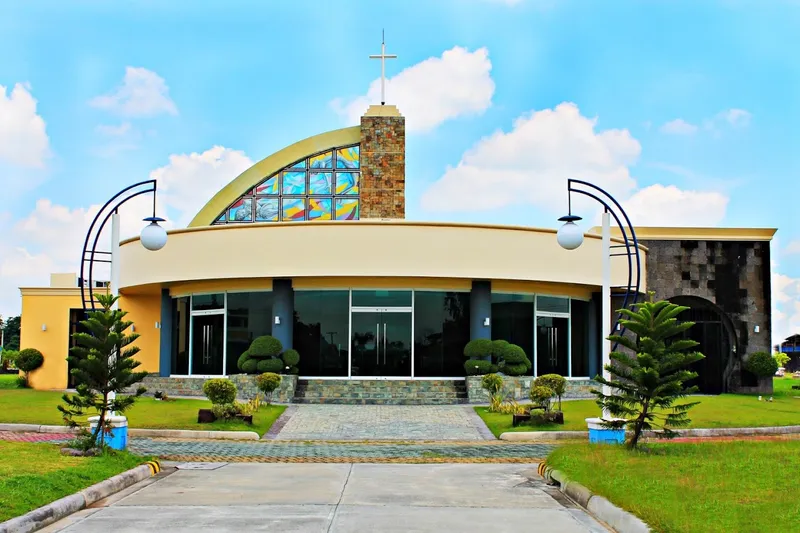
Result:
{"points": [[270, 165]]}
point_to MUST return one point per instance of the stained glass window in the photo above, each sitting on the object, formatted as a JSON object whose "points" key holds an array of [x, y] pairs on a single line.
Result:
{"points": [[323, 186]]}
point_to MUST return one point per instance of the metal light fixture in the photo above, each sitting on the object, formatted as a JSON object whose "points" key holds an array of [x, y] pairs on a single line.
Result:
{"points": [[569, 235], [153, 236]]}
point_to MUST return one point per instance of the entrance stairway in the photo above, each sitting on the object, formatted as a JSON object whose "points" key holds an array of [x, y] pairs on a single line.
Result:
{"points": [[381, 392]]}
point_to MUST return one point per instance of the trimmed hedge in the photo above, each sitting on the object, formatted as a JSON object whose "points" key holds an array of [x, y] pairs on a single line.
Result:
{"points": [[264, 355], [29, 360], [478, 348], [761, 364], [269, 365], [264, 347], [291, 357], [478, 367], [514, 361], [220, 391]]}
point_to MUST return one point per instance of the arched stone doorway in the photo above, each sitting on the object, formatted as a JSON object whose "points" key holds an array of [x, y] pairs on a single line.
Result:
{"points": [[715, 332]]}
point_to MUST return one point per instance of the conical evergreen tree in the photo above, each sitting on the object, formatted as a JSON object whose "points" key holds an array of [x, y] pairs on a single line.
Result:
{"points": [[103, 362], [646, 385]]}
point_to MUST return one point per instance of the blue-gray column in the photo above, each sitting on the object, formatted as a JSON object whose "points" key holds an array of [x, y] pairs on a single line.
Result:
{"points": [[595, 342], [165, 344], [283, 308], [480, 308]]}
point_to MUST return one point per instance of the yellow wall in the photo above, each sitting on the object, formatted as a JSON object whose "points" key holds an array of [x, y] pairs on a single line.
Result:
{"points": [[50, 307], [145, 311]]}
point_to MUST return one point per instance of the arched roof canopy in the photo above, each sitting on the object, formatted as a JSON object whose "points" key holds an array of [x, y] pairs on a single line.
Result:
{"points": [[270, 165]]}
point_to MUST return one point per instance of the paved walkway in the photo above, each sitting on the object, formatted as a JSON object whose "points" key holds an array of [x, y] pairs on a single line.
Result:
{"points": [[339, 498], [381, 422]]}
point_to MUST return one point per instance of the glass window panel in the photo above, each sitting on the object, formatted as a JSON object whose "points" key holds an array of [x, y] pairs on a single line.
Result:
{"points": [[512, 320], [347, 157], [552, 304], [294, 183], [320, 183], [241, 211], [207, 344], [221, 218], [267, 209], [299, 164], [294, 209], [249, 316], [321, 332], [180, 338], [321, 161], [441, 330], [205, 302], [552, 348], [269, 186], [346, 209], [347, 183], [580, 338], [319, 209], [382, 298]]}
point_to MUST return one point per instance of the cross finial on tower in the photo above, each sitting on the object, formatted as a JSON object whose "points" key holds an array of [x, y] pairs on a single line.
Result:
{"points": [[383, 57]]}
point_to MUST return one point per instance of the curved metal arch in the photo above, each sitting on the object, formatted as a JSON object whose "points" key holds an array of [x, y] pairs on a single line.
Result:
{"points": [[88, 258], [631, 242]]}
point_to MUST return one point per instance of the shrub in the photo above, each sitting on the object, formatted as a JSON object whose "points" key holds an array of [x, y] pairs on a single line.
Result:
{"points": [[761, 364], [250, 366], [514, 361], [21, 382], [492, 383], [264, 347], [242, 360], [781, 359], [220, 391], [226, 411], [293, 370], [478, 349], [267, 383], [268, 365], [29, 360], [291, 358], [555, 382], [477, 367], [541, 395]]}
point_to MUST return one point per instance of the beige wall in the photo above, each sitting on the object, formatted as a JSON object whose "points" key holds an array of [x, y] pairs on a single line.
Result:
{"points": [[366, 249]]}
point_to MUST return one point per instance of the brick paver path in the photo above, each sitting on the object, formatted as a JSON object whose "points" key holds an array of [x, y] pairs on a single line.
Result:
{"points": [[383, 422], [35, 437]]}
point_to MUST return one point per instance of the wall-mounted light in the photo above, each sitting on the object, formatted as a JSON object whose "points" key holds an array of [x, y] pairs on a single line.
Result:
{"points": [[487, 321], [277, 320], [158, 325], [44, 327], [756, 329], [133, 328]]}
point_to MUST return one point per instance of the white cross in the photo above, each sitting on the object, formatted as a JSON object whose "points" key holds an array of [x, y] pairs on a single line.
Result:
{"points": [[383, 57]]}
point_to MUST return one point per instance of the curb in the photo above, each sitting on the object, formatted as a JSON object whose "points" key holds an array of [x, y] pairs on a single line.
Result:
{"points": [[620, 520], [544, 436], [136, 432], [55, 511]]}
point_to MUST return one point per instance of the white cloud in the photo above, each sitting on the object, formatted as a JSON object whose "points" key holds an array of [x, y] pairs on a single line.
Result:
{"points": [[143, 93], [659, 205], [792, 248], [530, 163], [737, 118], [678, 127], [433, 91], [190, 180], [23, 139], [786, 307], [115, 131]]}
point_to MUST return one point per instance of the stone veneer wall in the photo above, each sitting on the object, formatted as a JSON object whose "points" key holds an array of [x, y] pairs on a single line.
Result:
{"points": [[246, 385], [518, 387], [733, 275], [383, 163]]}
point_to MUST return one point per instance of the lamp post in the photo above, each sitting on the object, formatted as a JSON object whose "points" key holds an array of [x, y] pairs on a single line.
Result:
{"points": [[153, 237], [570, 237]]}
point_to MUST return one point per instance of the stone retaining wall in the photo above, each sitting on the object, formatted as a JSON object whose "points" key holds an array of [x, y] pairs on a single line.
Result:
{"points": [[246, 385], [518, 387]]}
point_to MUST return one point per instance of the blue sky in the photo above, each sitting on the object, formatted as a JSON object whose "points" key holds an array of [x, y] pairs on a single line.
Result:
{"points": [[679, 107]]}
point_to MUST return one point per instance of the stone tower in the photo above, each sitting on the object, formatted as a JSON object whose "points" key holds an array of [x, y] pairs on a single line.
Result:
{"points": [[383, 163]]}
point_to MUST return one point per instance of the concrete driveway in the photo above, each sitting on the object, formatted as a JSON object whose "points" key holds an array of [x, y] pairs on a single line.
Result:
{"points": [[339, 498]]}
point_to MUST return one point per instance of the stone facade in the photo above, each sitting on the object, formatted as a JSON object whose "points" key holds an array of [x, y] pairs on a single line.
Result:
{"points": [[383, 163], [518, 387], [246, 385], [733, 275]]}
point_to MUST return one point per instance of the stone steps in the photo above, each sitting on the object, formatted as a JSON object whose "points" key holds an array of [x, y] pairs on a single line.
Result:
{"points": [[381, 392]]}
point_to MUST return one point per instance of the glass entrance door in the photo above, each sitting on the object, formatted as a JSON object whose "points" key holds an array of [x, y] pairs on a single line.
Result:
{"points": [[208, 335], [381, 344]]}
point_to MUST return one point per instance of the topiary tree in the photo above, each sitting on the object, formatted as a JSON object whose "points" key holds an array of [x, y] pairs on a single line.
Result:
{"points": [[264, 348], [646, 383], [267, 383], [28, 360], [762, 364], [478, 367], [291, 358], [220, 391], [269, 365], [557, 383], [514, 362], [541, 395], [478, 353]]}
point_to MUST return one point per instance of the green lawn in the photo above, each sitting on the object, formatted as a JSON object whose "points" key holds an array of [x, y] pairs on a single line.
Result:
{"points": [[725, 410], [25, 406], [35, 474], [8, 381], [747, 486]]}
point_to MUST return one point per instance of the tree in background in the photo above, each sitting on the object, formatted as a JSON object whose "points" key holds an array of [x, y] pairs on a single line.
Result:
{"points": [[11, 333], [103, 362], [647, 383], [781, 358]]}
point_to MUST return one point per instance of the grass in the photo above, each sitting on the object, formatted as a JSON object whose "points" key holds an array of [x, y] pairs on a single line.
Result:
{"points": [[723, 411], [8, 381], [25, 406], [747, 486], [34, 474]]}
